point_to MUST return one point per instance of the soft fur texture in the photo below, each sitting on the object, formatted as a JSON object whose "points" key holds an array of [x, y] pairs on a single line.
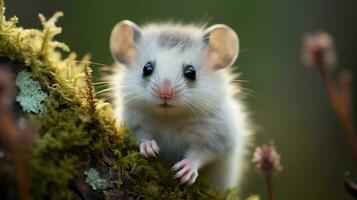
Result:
{"points": [[205, 126]]}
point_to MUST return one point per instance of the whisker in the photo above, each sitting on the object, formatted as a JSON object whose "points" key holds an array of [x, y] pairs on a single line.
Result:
{"points": [[135, 97], [110, 99], [90, 62], [241, 81], [246, 49], [102, 86], [101, 82], [200, 102], [105, 90]]}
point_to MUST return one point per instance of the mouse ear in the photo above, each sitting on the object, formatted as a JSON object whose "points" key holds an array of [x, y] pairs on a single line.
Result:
{"points": [[122, 41], [223, 46]]}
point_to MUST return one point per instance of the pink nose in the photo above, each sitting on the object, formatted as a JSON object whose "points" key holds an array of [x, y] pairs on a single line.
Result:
{"points": [[166, 93]]}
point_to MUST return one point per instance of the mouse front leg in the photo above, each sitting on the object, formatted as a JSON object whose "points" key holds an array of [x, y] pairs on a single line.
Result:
{"points": [[187, 168], [149, 148]]}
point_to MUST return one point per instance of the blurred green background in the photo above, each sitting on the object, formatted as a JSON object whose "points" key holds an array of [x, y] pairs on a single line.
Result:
{"points": [[287, 100]]}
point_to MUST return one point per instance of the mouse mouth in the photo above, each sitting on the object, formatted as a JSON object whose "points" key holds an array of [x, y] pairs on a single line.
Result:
{"points": [[165, 105]]}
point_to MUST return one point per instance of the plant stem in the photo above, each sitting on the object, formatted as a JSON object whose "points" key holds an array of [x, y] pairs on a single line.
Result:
{"points": [[349, 133], [90, 88], [2, 11], [341, 110], [270, 186]]}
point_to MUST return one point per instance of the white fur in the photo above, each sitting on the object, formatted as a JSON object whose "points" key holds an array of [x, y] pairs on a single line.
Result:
{"points": [[207, 122]]}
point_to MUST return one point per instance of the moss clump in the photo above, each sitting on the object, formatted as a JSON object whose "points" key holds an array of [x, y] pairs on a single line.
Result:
{"points": [[78, 132]]}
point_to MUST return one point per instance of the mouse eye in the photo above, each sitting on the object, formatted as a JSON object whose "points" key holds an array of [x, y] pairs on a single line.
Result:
{"points": [[148, 69], [189, 72]]}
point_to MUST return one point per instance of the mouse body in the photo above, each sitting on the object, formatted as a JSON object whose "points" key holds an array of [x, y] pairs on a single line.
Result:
{"points": [[174, 89]]}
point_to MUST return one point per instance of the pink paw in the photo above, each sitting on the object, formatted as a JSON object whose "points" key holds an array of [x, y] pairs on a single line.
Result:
{"points": [[149, 148], [187, 171]]}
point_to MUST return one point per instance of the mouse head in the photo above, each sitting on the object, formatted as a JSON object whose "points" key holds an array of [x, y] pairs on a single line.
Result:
{"points": [[171, 67]]}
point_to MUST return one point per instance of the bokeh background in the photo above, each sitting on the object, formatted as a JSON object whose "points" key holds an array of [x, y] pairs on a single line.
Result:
{"points": [[287, 100]]}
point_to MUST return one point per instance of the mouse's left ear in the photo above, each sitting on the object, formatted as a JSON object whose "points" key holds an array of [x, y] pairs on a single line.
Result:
{"points": [[223, 46], [122, 41]]}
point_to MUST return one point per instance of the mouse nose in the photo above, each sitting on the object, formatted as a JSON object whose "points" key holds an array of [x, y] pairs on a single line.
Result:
{"points": [[166, 90], [166, 93]]}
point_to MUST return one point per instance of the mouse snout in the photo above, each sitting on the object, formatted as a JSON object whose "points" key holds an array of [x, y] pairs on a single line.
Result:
{"points": [[166, 90], [166, 93]]}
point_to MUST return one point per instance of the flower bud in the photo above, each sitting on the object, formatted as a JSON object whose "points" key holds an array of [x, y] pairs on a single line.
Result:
{"points": [[319, 51], [267, 159]]}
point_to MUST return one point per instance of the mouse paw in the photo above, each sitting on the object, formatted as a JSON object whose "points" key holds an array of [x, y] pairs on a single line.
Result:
{"points": [[187, 171], [149, 148]]}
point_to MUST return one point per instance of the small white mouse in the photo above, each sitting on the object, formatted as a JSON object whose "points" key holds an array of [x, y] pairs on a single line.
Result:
{"points": [[174, 89]]}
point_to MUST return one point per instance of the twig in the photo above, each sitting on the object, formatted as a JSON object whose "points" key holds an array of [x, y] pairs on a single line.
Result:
{"points": [[342, 111]]}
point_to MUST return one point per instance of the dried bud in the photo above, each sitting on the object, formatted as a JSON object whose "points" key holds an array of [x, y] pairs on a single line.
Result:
{"points": [[267, 159], [319, 51]]}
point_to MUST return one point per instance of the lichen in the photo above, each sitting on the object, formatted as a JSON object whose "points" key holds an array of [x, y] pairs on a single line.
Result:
{"points": [[30, 96], [96, 182]]}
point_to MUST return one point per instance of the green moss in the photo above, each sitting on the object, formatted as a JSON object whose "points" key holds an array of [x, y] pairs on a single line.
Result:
{"points": [[71, 136]]}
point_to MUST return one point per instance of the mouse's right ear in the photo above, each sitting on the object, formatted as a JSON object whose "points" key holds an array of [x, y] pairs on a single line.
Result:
{"points": [[122, 41], [223, 45]]}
